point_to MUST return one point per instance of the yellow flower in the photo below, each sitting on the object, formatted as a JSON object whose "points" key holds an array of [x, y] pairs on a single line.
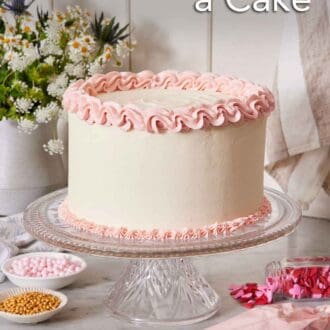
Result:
{"points": [[75, 44], [9, 56], [108, 49], [84, 50], [59, 17], [26, 44], [107, 56], [88, 39], [27, 29]]}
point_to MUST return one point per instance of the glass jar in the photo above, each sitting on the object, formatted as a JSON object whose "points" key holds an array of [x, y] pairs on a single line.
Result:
{"points": [[300, 278]]}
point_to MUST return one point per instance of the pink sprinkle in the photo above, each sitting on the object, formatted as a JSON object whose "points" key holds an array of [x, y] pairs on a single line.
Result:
{"points": [[44, 266], [295, 291]]}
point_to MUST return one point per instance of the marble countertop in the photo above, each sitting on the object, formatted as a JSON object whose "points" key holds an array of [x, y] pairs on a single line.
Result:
{"points": [[86, 311]]}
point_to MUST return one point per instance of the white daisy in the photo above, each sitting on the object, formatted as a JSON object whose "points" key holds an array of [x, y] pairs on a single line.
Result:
{"points": [[122, 49]]}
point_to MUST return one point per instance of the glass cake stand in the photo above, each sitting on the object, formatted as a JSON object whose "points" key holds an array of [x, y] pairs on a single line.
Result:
{"points": [[160, 285]]}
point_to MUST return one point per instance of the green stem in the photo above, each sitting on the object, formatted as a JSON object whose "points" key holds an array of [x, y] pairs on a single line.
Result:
{"points": [[6, 78]]}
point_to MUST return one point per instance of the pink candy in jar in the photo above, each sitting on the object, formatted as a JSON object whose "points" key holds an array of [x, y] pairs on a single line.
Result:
{"points": [[300, 278], [45, 266]]}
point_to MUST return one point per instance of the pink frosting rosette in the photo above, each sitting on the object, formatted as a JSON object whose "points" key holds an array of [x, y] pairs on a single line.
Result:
{"points": [[245, 101], [214, 230]]}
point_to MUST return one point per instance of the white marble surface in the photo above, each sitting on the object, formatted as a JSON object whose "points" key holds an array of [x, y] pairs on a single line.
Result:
{"points": [[86, 311]]}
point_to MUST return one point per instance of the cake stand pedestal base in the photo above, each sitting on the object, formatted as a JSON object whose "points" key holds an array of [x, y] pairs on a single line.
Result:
{"points": [[162, 291]]}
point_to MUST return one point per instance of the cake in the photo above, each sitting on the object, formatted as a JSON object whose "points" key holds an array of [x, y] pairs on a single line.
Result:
{"points": [[173, 155]]}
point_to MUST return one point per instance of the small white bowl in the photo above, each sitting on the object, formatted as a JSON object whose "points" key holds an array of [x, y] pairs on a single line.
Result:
{"points": [[53, 283], [34, 318]]}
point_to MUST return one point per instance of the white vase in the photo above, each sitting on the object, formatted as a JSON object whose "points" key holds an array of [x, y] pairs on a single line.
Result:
{"points": [[26, 170]]}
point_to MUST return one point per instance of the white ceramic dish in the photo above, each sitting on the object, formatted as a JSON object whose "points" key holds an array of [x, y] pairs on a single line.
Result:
{"points": [[53, 283], [34, 318]]}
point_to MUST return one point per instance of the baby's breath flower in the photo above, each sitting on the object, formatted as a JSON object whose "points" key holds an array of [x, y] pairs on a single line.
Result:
{"points": [[20, 84], [95, 67], [75, 70], [50, 60], [54, 147], [15, 61], [26, 126], [75, 57], [58, 87], [18, 62], [48, 47], [67, 42], [30, 55], [53, 30], [75, 11], [23, 105], [69, 69], [47, 113]]}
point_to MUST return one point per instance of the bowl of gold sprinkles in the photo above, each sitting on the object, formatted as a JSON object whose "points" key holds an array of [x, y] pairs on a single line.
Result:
{"points": [[30, 305]]}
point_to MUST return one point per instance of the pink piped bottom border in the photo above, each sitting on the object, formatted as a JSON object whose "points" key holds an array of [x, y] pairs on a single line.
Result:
{"points": [[210, 231]]}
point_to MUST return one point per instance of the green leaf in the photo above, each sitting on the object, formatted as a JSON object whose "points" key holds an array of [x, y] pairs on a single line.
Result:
{"points": [[64, 40], [11, 113], [42, 17], [38, 95], [4, 72], [3, 94], [3, 112], [110, 33], [70, 22], [2, 26]]}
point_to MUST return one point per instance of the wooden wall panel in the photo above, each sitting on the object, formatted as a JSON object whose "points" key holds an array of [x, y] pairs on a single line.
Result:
{"points": [[118, 8], [46, 5], [61, 4], [246, 44], [170, 35]]}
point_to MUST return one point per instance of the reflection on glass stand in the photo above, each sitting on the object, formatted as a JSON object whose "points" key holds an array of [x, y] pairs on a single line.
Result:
{"points": [[160, 284]]}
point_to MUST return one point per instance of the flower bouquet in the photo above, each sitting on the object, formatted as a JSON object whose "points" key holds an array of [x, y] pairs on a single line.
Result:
{"points": [[39, 58]]}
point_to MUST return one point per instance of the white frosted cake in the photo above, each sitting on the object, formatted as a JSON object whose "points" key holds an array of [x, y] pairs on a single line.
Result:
{"points": [[169, 155]]}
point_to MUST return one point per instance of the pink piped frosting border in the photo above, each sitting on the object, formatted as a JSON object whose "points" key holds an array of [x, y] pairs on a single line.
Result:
{"points": [[247, 101], [214, 230]]}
